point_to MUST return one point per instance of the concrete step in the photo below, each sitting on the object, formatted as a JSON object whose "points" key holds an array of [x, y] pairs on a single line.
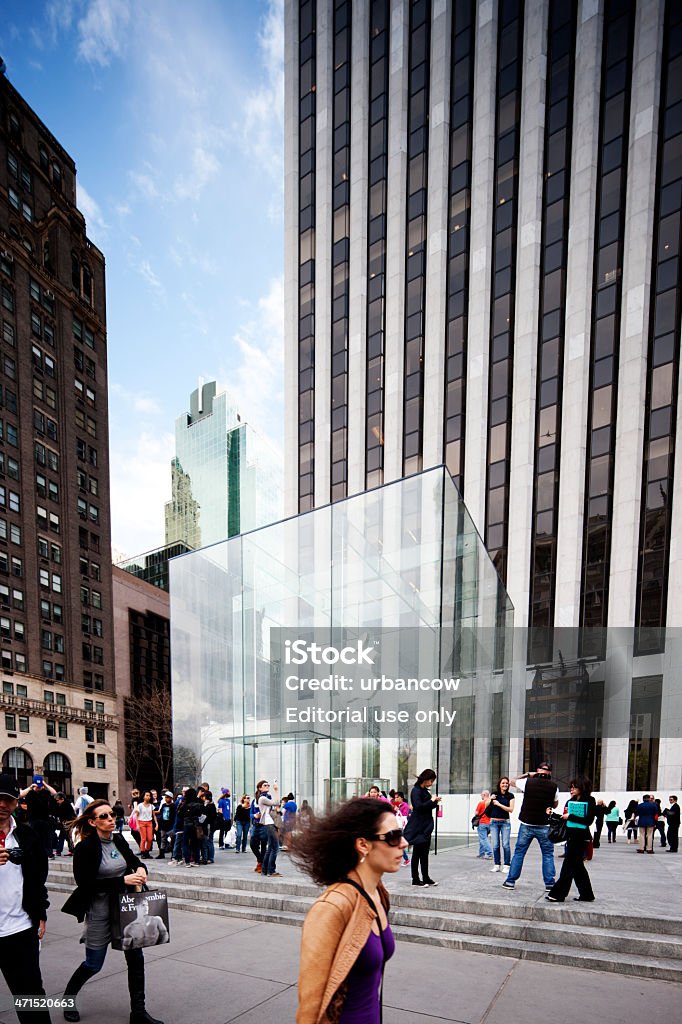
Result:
{"points": [[558, 945], [588, 959], [547, 924], [511, 906]]}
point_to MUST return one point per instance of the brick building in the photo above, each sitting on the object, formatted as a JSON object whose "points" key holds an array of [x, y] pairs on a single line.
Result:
{"points": [[56, 621]]}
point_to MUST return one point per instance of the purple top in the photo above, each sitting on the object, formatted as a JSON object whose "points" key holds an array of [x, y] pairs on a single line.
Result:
{"points": [[362, 1002]]}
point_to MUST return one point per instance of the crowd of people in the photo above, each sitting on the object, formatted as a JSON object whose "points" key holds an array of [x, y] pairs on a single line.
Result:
{"points": [[346, 938]]}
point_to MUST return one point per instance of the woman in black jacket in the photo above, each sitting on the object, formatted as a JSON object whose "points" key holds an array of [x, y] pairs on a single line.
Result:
{"points": [[103, 866], [420, 826], [189, 812], [579, 814]]}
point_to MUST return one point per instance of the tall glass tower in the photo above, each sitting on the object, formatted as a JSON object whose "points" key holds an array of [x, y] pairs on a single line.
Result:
{"points": [[226, 478]]}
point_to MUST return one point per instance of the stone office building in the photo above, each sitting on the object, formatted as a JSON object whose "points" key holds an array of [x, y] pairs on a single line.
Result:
{"points": [[482, 217]]}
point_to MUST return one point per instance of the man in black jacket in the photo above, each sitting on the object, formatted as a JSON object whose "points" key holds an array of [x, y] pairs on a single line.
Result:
{"points": [[23, 904], [672, 815], [540, 795]]}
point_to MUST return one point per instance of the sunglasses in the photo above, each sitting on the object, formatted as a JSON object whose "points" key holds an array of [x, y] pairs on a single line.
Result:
{"points": [[392, 838], [103, 817]]}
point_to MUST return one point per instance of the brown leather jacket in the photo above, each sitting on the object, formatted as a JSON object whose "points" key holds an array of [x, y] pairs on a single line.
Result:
{"points": [[335, 931]]}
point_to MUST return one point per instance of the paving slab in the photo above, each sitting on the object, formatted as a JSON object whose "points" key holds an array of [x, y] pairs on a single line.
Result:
{"points": [[239, 971]]}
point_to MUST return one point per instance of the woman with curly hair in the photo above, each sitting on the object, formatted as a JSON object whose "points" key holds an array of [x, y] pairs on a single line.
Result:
{"points": [[103, 866], [346, 937]]}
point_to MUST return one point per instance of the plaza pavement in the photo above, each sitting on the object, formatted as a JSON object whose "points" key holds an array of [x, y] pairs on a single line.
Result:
{"points": [[218, 970]]}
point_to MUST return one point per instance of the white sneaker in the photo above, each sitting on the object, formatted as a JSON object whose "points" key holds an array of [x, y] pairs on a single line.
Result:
{"points": [[496, 867], [505, 869]]}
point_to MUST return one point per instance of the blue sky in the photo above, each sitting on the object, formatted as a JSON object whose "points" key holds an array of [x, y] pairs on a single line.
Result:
{"points": [[173, 113]]}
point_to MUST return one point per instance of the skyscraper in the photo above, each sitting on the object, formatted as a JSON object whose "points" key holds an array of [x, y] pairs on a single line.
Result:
{"points": [[226, 478], [56, 618], [482, 233]]}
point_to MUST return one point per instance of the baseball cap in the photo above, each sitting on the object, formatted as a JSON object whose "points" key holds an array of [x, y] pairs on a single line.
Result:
{"points": [[168, 793], [38, 780], [8, 787], [546, 765]]}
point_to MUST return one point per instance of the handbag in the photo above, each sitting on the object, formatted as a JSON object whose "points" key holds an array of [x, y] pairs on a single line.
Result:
{"points": [[589, 849], [277, 818], [476, 821], [139, 919], [557, 828]]}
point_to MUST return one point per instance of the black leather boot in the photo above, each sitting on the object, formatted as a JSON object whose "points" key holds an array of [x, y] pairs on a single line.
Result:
{"points": [[138, 1013], [73, 987]]}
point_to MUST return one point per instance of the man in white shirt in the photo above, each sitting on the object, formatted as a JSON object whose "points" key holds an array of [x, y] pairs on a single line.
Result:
{"points": [[82, 800], [23, 904]]}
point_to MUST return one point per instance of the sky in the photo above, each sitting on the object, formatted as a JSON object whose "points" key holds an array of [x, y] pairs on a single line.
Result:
{"points": [[173, 113]]}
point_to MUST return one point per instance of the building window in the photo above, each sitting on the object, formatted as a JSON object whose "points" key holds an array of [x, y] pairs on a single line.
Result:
{"points": [[551, 329], [23, 723], [606, 316], [663, 363], [10, 723], [307, 16], [51, 727], [416, 233], [456, 336], [89, 760], [101, 761], [63, 731], [379, 36], [100, 735], [503, 281]]}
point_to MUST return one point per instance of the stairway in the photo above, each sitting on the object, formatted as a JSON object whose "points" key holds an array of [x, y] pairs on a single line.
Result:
{"points": [[593, 940]]}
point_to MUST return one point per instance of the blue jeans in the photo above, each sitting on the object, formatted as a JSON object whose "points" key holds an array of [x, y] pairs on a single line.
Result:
{"points": [[207, 849], [527, 833], [242, 835], [500, 830], [484, 848], [271, 851]]}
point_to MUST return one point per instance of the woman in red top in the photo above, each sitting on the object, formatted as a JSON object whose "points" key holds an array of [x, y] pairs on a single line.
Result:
{"points": [[485, 850]]}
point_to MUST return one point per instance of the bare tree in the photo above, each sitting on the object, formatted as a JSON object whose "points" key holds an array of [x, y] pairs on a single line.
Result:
{"points": [[186, 765], [148, 723]]}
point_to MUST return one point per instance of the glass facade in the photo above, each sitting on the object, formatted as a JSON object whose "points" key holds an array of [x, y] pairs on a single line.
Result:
{"points": [[401, 566], [225, 477]]}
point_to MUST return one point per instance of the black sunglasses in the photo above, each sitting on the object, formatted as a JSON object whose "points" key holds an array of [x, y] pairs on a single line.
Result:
{"points": [[392, 838]]}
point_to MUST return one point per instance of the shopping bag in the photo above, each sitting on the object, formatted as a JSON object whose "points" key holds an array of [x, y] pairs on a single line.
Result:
{"points": [[139, 919]]}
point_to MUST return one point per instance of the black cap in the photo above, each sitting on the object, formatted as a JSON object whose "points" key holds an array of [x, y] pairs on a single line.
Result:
{"points": [[546, 765], [8, 787]]}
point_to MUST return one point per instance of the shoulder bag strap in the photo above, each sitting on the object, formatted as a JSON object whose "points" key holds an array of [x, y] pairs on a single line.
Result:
{"points": [[372, 904]]}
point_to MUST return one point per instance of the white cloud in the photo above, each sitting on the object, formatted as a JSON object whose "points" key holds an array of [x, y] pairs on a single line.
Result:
{"points": [[150, 277], [94, 218], [103, 31], [140, 484], [263, 114], [139, 401], [144, 184], [257, 380]]}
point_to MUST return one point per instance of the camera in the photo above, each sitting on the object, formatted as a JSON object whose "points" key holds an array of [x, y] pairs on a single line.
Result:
{"points": [[16, 856]]}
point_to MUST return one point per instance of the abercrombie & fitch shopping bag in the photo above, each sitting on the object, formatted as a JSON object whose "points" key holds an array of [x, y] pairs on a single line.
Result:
{"points": [[139, 919]]}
